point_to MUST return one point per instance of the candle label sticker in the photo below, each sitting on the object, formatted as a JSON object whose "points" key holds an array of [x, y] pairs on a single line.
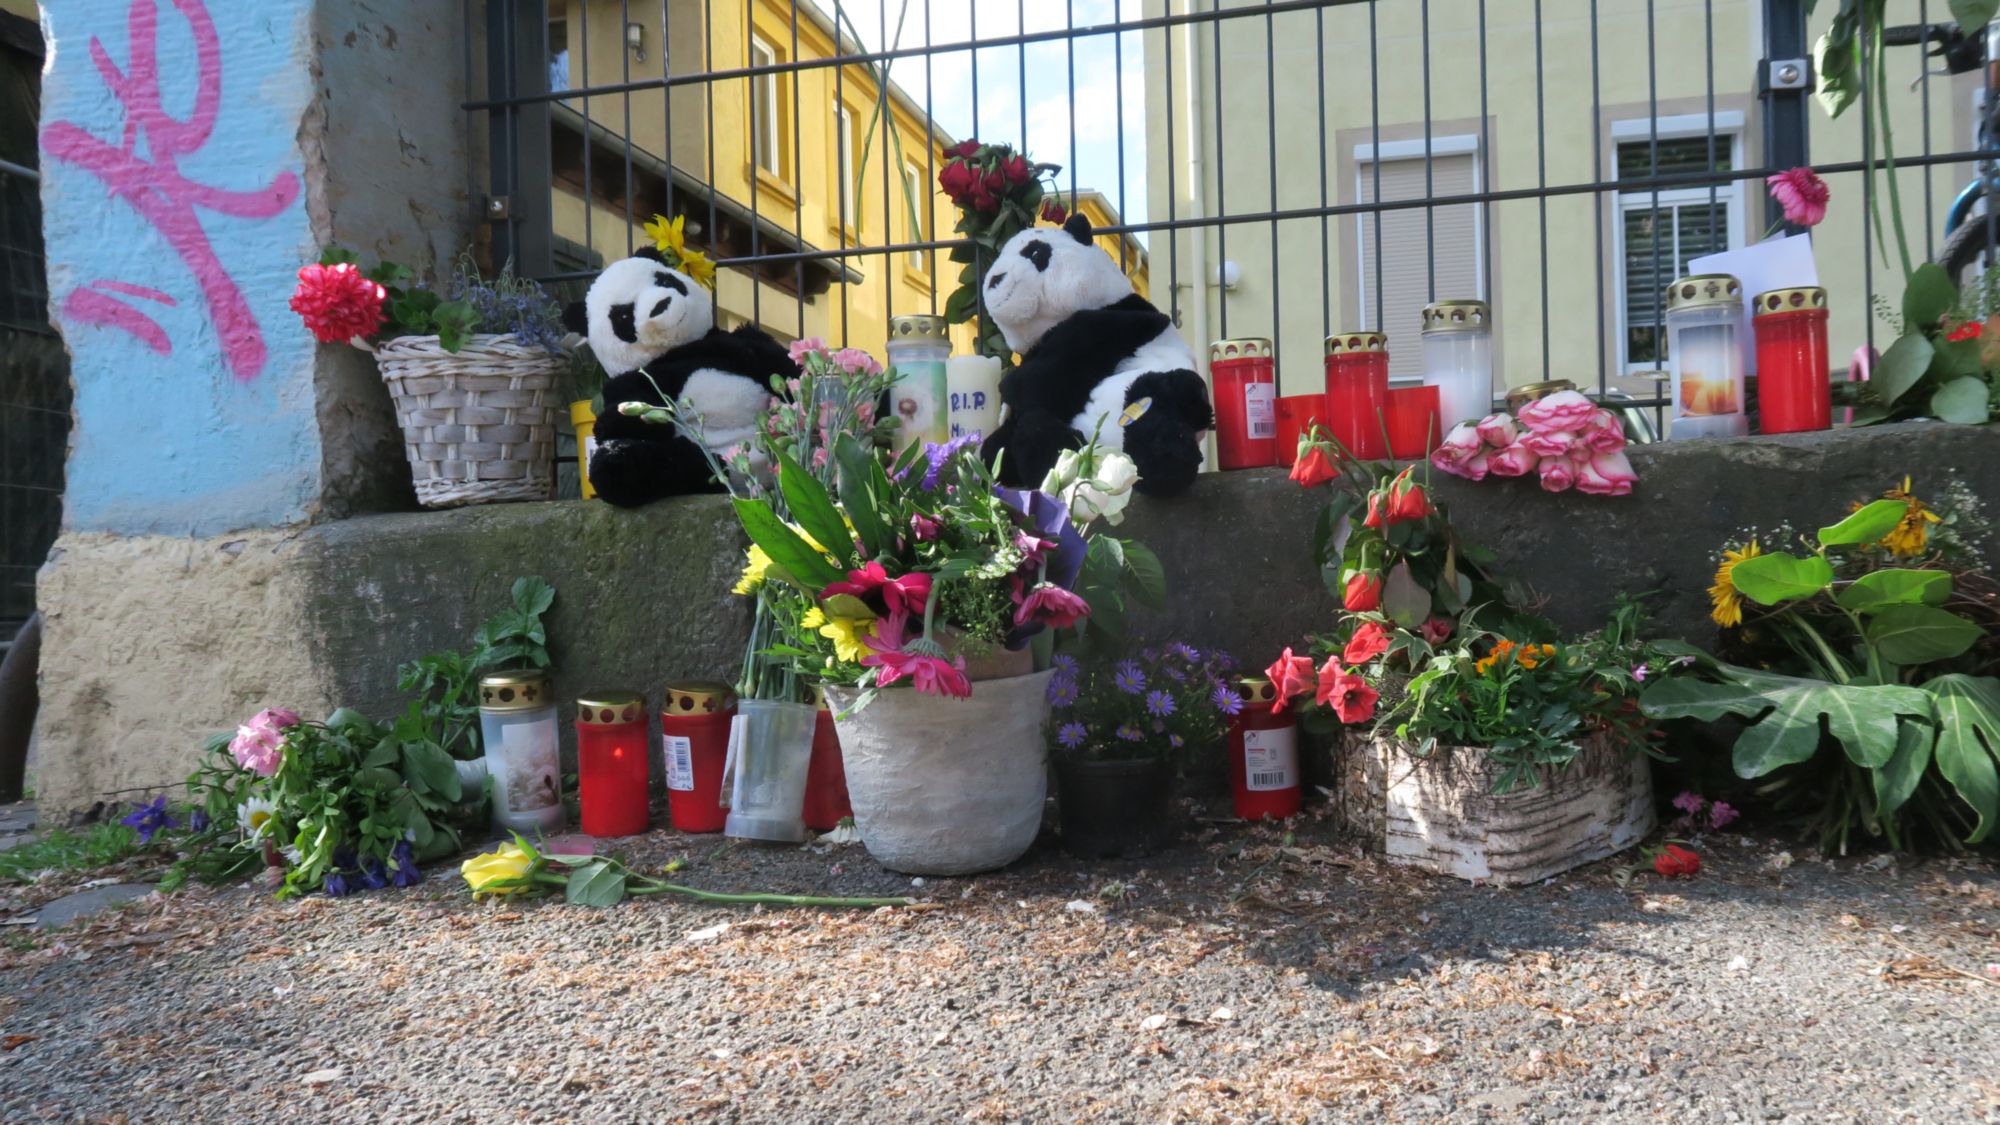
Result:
{"points": [[1260, 410], [968, 412], [921, 403], [526, 765], [1270, 759], [1708, 377], [680, 762]]}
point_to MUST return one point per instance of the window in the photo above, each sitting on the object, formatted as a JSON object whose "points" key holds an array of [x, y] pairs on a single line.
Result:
{"points": [[558, 53], [766, 123], [917, 199], [848, 181], [1449, 247], [1658, 235]]}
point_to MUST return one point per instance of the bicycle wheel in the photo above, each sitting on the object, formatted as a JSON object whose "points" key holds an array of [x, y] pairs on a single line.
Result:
{"points": [[1965, 246]]}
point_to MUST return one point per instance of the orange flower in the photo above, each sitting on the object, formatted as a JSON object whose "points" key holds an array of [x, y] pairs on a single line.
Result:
{"points": [[1312, 468]]}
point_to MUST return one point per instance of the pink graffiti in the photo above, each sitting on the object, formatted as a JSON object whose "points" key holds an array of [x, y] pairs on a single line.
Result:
{"points": [[131, 290], [159, 191]]}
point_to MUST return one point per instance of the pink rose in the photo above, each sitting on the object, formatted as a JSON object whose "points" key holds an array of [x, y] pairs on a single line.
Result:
{"points": [[1602, 432], [1605, 474], [1549, 443], [259, 745], [1435, 629], [1564, 410], [1498, 430], [277, 717], [1557, 474], [1517, 460], [1462, 453]]}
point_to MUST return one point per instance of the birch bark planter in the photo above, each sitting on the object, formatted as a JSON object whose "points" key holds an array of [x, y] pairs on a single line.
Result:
{"points": [[1440, 812], [947, 786]]}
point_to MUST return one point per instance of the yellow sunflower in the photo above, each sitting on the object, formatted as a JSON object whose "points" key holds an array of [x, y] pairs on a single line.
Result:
{"points": [[844, 632], [667, 236], [1725, 604], [755, 563], [696, 265], [1908, 538]]}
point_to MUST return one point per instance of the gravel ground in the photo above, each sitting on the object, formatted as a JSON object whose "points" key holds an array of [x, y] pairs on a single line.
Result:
{"points": [[1234, 978]]}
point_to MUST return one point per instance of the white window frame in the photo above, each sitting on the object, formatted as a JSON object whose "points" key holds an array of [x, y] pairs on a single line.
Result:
{"points": [[1728, 127], [913, 176], [1365, 158], [770, 151]]}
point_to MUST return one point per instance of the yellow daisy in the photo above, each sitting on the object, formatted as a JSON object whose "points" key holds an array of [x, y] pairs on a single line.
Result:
{"points": [[666, 235], [1908, 538], [844, 632], [696, 265], [1725, 604], [755, 563]]}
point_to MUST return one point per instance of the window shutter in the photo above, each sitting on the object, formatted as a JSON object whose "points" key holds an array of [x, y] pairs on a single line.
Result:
{"points": [[1453, 244]]}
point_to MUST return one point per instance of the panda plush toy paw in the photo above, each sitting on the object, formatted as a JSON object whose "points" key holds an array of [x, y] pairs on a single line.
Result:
{"points": [[1096, 358], [652, 328]]}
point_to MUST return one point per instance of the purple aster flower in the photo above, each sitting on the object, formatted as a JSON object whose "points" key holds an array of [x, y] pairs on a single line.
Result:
{"points": [[1176, 675], [1226, 701], [1065, 663], [1129, 733], [1176, 741], [1159, 703], [1129, 679], [149, 819], [1149, 654], [1062, 691], [1185, 651], [1072, 735]]}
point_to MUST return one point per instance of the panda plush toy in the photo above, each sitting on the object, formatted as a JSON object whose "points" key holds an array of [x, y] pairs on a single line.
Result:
{"points": [[652, 328], [1096, 358]]}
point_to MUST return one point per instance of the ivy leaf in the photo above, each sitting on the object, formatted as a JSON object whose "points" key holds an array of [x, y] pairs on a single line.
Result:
{"points": [[1929, 295], [1964, 400], [1778, 577], [1866, 525], [596, 884], [1881, 588], [1968, 743], [1920, 634], [1901, 367]]}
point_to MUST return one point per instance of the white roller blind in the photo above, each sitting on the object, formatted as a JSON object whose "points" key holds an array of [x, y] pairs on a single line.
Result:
{"points": [[1453, 244]]}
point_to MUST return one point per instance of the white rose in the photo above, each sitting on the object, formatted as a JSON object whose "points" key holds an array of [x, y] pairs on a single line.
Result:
{"points": [[1116, 473], [1066, 471]]}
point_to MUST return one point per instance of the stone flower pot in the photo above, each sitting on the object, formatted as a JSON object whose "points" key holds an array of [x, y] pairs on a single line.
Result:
{"points": [[946, 786], [1439, 812]]}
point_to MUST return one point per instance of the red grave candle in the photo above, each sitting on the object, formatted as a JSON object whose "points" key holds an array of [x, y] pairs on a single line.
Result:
{"points": [[694, 734], [1296, 415], [1263, 754], [1246, 400], [1794, 384], [1413, 422], [1357, 392], [826, 778], [611, 773]]}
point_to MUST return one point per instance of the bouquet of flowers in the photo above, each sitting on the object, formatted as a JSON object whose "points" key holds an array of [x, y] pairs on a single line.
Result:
{"points": [[1570, 440], [338, 302], [1171, 702], [999, 193]]}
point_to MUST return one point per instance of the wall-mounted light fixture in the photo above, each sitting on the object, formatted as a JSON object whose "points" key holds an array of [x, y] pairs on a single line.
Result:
{"points": [[635, 40]]}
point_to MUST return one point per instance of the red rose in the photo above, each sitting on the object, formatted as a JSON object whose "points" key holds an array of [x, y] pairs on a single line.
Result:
{"points": [[1676, 862], [1970, 330], [1017, 170], [996, 182], [1376, 519], [1054, 212], [1312, 468], [1290, 675], [1369, 641], [964, 150], [1363, 594], [1407, 500], [957, 179], [981, 200], [1435, 630]]}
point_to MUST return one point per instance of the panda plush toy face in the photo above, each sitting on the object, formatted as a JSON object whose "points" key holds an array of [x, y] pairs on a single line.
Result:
{"points": [[639, 308], [1096, 360]]}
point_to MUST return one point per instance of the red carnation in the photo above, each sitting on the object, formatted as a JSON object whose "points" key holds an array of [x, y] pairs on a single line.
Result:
{"points": [[1970, 330], [337, 303], [1054, 212], [1363, 594], [1676, 862]]}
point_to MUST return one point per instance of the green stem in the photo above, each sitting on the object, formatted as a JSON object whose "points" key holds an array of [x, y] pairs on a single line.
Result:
{"points": [[654, 886], [1889, 152]]}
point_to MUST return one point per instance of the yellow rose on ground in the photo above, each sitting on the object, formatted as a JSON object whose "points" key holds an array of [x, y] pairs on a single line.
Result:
{"points": [[509, 861]]}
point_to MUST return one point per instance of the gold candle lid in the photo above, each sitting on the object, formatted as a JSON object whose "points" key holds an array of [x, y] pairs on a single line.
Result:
{"points": [[1250, 347], [1788, 300], [1704, 290], [610, 708], [1257, 689], [525, 690], [697, 697], [1528, 392], [1457, 316], [916, 326], [1349, 343]]}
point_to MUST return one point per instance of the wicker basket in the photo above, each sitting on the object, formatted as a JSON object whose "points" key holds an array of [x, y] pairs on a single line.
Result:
{"points": [[479, 424]]}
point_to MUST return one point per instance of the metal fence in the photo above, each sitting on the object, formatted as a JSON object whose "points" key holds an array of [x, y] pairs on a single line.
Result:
{"points": [[1296, 168]]}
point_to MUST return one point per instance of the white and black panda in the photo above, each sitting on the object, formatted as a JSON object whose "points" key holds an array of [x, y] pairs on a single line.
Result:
{"points": [[653, 326], [1096, 358]]}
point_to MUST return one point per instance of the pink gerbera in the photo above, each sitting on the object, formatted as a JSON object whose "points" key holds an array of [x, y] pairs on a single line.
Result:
{"points": [[930, 674], [1051, 605], [337, 303], [1802, 194]]}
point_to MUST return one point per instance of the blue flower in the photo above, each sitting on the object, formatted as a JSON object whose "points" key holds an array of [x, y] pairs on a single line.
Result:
{"points": [[198, 821], [1062, 691], [938, 456], [1176, 741], [1226, 701], [1129, 733], [1072, 735], [149, 819], [1159, 703], [374, 874], [1185, 651], [337, 884], [404, 861], [1129, 679], [1065, 663]]}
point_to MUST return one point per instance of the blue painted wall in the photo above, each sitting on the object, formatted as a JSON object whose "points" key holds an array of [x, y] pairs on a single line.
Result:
{"points": [[176, 223]]}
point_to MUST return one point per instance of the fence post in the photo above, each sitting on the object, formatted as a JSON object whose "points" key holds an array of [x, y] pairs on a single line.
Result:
{"points": [[1784, 85], [517, 66]]}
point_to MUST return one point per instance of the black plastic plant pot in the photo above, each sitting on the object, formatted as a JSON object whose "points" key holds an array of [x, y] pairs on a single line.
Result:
{"points": [[1115, 808]]}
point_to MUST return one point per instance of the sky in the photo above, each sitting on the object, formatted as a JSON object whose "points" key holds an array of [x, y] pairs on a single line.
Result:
{"points": [[1047, 129]]}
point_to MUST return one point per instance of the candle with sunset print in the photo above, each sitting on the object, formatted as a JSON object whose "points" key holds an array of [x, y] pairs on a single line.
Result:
{"points": [[1704, 320]]}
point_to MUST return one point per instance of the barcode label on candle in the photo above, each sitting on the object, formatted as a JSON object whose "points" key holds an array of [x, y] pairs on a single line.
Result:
{"points": [[1270, 759], [680, 762], [1260, 410]]}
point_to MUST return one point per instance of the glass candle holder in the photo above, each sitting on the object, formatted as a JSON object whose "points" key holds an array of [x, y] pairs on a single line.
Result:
{"points": [[1794, 369], [517, 723], [1245, 374], [1458, 359], [1704, 320], [1357, 392], [694, 741], [1296, 415], [1263, 754], [920, 400], [611, 771], [1413, 421], [770, 759]]}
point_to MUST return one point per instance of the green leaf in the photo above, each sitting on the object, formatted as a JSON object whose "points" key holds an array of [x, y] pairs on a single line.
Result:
{"points": [[1919, 634], [350, 722], [805, 565], [856, 464], [1968, 743], [1877, 589], [533, 597], [1898, 778], [1778, 577], [431, 768], [1786, 712], [1973, 15], [1963, 400], [336, 256], [813, 508], [1929, 295], [958, 308], [1956, 358], [1870, 523], [1901, 367], [1149, 578], [1403, 600], [598, 883], [377, 777]]}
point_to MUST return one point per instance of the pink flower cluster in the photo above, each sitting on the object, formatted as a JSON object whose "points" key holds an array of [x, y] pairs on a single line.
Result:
{"points": [[1570, 440], [850, 361], [337, 303], [259, 744]]}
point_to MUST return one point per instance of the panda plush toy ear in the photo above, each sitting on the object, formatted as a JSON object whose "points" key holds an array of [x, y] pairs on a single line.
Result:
{"points": [[1079, 229]]}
